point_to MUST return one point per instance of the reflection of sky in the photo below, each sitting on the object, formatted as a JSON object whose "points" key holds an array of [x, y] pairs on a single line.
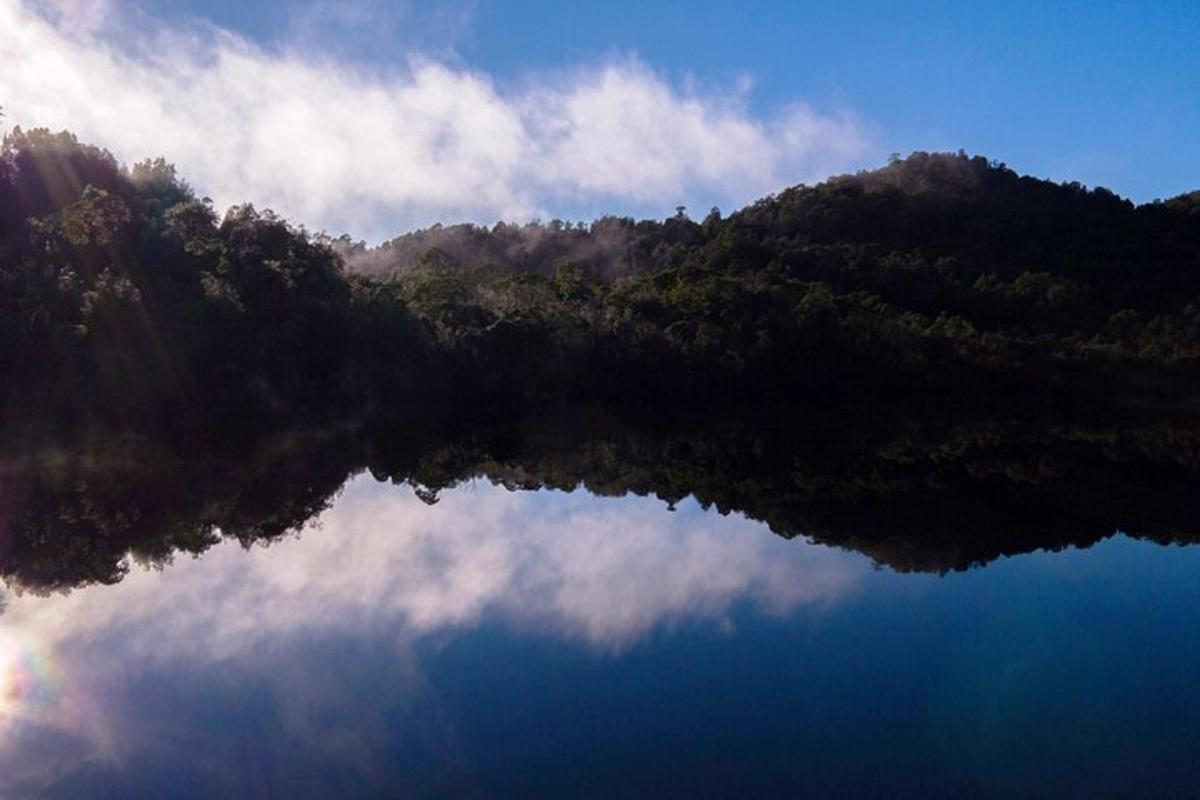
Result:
{"points": [[572, 566], [519, 644]]}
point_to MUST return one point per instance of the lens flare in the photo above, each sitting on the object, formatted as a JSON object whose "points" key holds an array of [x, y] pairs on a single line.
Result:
{"points": [[27, 683]]}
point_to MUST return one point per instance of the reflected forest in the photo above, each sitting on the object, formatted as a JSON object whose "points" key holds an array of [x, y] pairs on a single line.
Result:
{"points": [[935, 363]]}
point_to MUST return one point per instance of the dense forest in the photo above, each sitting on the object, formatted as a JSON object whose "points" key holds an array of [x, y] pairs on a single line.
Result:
{"points": [[936, 362], [127, 303]]}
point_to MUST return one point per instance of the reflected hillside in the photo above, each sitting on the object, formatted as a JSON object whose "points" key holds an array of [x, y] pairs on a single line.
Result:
{"points": [[930, 489]]}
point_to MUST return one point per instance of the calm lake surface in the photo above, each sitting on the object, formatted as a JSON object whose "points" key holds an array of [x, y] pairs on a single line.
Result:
{"points": [[550, 643]]}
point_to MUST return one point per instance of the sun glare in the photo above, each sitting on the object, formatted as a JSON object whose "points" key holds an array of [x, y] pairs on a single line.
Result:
{"points": [[19, 680], [9, 679]]}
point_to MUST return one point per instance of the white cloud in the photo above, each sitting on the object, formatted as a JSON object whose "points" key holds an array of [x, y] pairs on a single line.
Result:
{"points": [[343, 147], [79, 16]]}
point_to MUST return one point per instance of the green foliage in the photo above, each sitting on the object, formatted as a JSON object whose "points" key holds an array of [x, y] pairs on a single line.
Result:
{"points": [[126, 301]]}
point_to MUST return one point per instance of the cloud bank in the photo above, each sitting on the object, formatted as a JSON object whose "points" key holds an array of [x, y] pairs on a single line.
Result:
{"points": [[341, 146]]}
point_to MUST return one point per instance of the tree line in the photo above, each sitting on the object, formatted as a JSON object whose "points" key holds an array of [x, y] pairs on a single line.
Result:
{"points": [[127, 303]]}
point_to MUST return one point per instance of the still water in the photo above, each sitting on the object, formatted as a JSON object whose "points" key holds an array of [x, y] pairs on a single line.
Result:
{"points": [[552, 643]]}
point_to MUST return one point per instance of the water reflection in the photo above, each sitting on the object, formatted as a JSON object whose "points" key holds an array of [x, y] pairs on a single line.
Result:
{"points": [[386, 567], [284, 620], [503, 643], [923, 490]]}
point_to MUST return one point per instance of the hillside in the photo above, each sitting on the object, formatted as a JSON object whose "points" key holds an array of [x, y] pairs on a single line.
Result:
{"points": [[981, 215], [127, 303]]}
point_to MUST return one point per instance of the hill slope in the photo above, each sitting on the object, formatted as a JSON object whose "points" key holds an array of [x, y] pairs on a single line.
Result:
{"points": [[127, 302]]}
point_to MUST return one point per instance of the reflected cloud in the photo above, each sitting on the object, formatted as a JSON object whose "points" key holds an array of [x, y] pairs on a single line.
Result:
{"points": [[383, 564]]}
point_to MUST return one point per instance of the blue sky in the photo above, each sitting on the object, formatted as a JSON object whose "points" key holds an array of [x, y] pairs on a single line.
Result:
{"points": [[1107, 93], [1104, 93]]}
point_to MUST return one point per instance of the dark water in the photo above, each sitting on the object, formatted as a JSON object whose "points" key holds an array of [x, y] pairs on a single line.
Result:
{"points": [[922, 606], [561, 644]]}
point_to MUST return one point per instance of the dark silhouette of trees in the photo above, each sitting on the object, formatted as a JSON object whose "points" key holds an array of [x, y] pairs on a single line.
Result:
{"points": [[129, 303], [928, 488]]}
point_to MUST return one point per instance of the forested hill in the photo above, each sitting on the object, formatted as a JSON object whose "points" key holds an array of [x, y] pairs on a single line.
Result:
{"points": [[127, 302], [981, 214]]}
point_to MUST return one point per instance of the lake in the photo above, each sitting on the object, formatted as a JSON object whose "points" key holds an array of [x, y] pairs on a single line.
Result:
{"points": [[592, 608], [561, 644]]}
